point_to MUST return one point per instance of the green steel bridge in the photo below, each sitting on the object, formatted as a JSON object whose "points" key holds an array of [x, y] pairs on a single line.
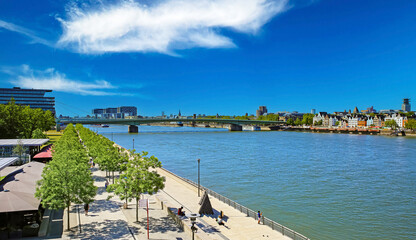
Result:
{"points": [[234, 124]]}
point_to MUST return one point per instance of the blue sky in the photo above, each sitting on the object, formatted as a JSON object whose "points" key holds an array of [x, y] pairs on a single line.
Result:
{"points": [[211, 56]]}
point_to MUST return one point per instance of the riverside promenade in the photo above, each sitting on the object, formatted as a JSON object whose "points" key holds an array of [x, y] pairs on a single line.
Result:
{"points": [[108, 220], [237, 226]]}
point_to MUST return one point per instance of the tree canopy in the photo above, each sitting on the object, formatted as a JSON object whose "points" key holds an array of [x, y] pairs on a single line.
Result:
{"points": [[391, 124], [138, 178], [20, 121], [411, 124], [308, 119], [67, 178]]}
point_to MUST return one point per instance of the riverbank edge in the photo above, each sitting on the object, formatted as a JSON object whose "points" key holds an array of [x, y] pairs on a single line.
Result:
{"points": [[357, 131], [250, 213]]}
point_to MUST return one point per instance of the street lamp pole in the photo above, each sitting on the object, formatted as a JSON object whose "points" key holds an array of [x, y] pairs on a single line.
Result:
{"points": [[133, 143], [199, 160]]}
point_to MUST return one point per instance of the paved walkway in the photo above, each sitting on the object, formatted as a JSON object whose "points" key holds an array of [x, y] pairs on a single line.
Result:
{"points": [[108, 220], [238, 226], [105, 219], [161, 224]]}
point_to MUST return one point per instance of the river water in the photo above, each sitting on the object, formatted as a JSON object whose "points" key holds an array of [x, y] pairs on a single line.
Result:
{"points": [[324, 186]]}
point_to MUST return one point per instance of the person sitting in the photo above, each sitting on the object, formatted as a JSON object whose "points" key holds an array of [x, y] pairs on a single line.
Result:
{"points": [[180, 212], [220, 221]]}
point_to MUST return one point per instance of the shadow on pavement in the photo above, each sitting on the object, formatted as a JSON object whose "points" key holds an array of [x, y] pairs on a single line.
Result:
{"points": [[99, 206], [109, 229]]}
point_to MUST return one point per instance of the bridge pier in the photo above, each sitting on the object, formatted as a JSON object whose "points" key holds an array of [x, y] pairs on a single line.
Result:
{"points": [[235, 127], [133, 129]]}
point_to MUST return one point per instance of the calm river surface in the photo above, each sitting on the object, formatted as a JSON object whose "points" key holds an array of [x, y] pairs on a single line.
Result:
{"points": [[325, 186]]}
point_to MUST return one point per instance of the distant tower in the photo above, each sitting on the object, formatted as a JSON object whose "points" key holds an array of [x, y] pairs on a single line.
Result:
{"points": [[313, 111], [261, 111], [356, 110], [406, 105], [179, 114]]}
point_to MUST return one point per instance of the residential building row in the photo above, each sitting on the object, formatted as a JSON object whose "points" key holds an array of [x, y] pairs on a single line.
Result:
{"points": [[358, 121]]}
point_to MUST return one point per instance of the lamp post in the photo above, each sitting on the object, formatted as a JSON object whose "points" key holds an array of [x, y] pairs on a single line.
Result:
{"points": [[192, 217], [133, 143], [199, 160]]}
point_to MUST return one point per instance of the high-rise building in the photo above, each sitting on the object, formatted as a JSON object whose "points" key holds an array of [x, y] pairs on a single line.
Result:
{"points": [[262, 110], [34, 98], [313, 111], [120, 112], [406, 105]]}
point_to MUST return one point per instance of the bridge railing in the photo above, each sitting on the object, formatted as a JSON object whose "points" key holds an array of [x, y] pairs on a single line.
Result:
{"points": [[250, 213]]}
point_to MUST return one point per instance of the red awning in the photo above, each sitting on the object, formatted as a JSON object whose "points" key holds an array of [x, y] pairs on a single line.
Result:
{"points": [[45, 152]]}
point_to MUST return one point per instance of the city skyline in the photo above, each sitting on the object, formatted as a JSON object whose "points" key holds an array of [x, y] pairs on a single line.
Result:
{"points": [[288, 56]]}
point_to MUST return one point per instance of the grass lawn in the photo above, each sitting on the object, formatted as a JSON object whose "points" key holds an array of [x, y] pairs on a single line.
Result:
{"points": [[53, 136], [1, 178]]}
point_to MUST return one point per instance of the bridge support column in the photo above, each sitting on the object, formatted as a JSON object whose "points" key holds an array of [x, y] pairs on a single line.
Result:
{"points": [[235, 127], [133, 129]]}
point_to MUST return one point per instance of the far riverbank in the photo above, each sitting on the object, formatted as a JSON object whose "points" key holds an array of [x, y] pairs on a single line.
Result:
{"points": [[359, 131], [325, 186]]}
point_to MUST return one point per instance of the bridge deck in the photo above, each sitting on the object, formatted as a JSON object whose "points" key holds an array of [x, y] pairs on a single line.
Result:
{"points": [[161, 120]]}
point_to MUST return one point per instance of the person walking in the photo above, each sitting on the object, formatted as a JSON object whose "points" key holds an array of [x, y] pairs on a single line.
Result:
{"points": [[86, 207], [259, 214], [106, 184]]}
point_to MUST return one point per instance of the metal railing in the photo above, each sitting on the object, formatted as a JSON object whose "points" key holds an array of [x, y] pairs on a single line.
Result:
{"points": [[250, 213]]}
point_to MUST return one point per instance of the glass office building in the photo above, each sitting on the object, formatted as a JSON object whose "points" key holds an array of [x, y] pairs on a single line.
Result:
{"points": [[35, 98], [120, 112]]}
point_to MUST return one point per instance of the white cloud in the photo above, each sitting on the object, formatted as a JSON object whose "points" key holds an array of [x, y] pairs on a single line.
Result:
{"points": [[24, 31], [164, 26], [26, 77]]}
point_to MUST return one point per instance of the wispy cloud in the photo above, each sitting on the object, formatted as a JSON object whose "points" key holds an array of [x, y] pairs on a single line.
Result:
{"points": [[165, 25], [26, 32], [26, 77]]}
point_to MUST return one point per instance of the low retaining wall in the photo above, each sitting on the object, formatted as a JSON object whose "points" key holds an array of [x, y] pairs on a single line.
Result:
{"points": [[250, 213]]}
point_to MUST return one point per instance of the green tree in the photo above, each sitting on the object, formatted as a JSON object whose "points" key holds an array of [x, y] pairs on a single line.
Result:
{"points": [[409, 114], [139, 177], [67, 178], [411, 124], [20, 121], [19, 150], [391, 124], [318, 123], [308, 119], [298, 122], [337, 123], [38, 134], [290, 122]]}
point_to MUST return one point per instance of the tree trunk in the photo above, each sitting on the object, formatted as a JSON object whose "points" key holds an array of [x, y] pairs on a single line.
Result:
{"points": [[127, 204], [68, 216], [113, 177], [137, 209]]}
